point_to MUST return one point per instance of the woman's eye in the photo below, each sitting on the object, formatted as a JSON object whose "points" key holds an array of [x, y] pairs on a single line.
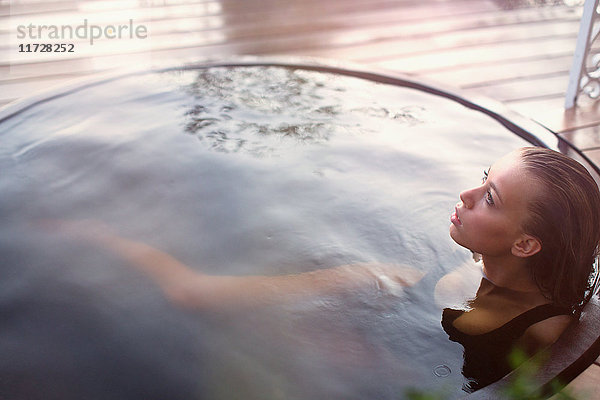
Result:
{"points": [[489, 198], [485, 176]]}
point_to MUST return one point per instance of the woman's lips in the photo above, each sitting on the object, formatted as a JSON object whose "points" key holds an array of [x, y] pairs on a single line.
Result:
{"points": [[454, 218]]}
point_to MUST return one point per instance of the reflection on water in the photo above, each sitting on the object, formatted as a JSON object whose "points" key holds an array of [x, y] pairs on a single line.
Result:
{"points": [[235, 171], [233, 110]]}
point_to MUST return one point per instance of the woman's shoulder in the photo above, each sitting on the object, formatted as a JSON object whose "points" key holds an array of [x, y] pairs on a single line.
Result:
{"points": [[545, 332], [456, 288]]}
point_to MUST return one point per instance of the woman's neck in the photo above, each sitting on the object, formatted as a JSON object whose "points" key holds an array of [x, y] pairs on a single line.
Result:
{"points": [[509, 273]]}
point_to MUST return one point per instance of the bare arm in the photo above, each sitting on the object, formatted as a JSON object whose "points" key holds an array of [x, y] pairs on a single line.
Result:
{"points": [[192, 289]]}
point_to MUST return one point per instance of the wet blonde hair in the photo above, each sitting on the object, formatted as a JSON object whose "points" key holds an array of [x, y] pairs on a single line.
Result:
{"points": [[565, 217]]}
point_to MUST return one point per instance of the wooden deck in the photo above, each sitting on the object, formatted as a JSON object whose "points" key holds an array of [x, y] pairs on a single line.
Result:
{"points": [[517, 52]]}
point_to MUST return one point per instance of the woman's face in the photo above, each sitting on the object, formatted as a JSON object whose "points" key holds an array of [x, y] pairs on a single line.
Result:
{"points": [[489, 217]]}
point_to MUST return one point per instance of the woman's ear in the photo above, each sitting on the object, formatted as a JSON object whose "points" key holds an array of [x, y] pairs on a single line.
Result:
{"points": [[526, 246]]}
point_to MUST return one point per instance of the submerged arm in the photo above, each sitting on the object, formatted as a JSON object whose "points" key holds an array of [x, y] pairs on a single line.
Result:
{"points": [[189, 288]]}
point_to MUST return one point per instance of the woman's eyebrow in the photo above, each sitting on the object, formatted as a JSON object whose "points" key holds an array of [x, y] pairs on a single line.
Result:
{"points": [[495, 188]]}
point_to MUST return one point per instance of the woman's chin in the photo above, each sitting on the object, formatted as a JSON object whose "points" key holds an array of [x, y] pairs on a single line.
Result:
{"points": [[455, 235]]}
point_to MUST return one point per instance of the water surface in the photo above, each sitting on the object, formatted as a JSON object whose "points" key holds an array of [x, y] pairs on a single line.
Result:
{"points": [[241, 171]]}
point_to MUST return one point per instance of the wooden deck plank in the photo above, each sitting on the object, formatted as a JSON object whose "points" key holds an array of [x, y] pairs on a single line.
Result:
{"points": [[302, 20], [585, 386], [447, 33], [20, 8], [594, 155], [548, 111], [406, 40], [472, 77], [537, 87], [352, 20], [290, 25], [584, 138], [383, 11], [551, 113], [237, 11], [485, 54], [24, 7], [212, 36], [233, 7]]}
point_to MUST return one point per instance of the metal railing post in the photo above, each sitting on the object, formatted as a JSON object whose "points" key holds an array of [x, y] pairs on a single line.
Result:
{"points": [[580, 80]]}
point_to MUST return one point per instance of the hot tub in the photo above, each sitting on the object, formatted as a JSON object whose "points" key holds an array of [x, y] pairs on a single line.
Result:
{"points": [[236, 169]]}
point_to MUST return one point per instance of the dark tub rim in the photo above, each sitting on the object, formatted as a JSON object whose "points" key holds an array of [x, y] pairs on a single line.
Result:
{"points": [[579, 345]]}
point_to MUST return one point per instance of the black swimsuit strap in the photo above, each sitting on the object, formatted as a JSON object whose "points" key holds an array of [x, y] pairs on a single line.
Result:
{"points": [[511, 330], [518, 325]]}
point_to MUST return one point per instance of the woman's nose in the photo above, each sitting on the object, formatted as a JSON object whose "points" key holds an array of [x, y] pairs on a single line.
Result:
{"points": [[467, 197]]}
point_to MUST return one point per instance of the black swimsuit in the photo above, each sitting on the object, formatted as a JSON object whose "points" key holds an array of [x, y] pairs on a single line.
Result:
{"points": [[486, 355]]}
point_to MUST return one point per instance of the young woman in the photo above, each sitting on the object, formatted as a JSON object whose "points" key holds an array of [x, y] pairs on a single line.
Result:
{"points": [[535, 221]]}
